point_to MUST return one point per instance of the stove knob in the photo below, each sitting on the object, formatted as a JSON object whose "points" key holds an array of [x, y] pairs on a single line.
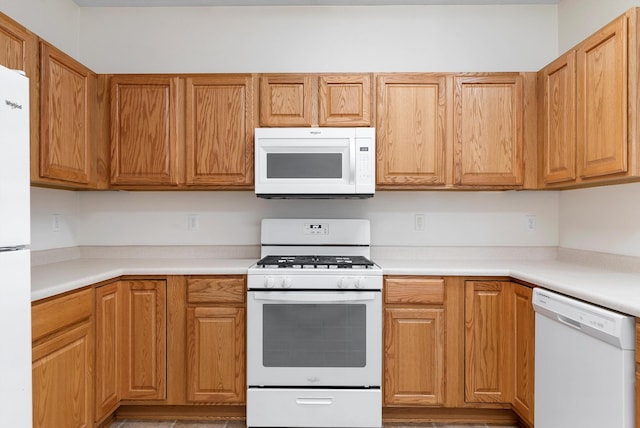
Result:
{"points": [[286, 282], [269, 282], [343, 283], [359, 282]]}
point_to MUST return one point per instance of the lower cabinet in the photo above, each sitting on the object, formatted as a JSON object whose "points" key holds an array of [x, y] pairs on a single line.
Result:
{"points": [[488, 342], [216, 339], [62, 361], [637, 372], [414, 341], [524, 347]]}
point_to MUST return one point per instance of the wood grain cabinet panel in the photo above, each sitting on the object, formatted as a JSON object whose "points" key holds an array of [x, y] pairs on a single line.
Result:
{"points": [[143, 358], [216, 358], [108, 347], [68, 96], [524, 337], [414, 341], [602, 101], [288, 99], [144, 130], [216, 325], [488, 124], [488, 342], [62, 361], [219, 130], [558, 120], [411, 125], [342, 99], [345, 100]]}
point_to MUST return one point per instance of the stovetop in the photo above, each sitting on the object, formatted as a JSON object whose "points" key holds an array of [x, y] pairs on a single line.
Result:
{"points": [[315, 262]]}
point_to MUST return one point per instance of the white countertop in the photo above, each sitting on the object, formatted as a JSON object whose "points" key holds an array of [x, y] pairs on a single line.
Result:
{"points": [[609, 288]]}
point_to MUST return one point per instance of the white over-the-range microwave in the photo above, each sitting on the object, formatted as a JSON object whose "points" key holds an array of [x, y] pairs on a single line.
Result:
{"points": [[315, 162]]}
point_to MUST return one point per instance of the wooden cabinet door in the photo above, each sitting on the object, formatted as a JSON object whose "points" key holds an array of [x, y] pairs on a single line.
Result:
{"points": [[524, 327], [215, 354], [411, 130], [62, 380], [219, 130], [288, 99], [144, 130], [488, 126], [345, 100], [488, 342], [67, 97], [108, 348], [602, 101], [558, 119], [414, 356], [143, 358]]}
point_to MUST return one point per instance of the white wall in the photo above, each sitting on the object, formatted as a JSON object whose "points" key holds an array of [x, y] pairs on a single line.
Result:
{"points": [[320, 38], [56, 21], [601, 219], [44, 204], [577, 19], [233, 218]]}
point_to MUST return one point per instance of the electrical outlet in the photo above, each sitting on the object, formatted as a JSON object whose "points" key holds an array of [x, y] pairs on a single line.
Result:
{"points": [[193, 222], [55, 222], [531, 221], [418, 222]]}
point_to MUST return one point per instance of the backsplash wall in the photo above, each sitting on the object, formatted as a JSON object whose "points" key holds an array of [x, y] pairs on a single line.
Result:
{"points": [[233, 218]]}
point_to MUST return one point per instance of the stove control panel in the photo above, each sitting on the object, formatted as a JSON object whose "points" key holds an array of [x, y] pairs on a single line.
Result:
{"points": [[314, 282]]}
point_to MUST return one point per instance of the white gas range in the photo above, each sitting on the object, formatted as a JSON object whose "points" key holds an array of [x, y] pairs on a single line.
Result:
{"points": [[314, 326]]}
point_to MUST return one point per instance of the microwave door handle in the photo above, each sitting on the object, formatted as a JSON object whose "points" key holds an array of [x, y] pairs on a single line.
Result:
{"points": [[307, 297], [352, 161]]}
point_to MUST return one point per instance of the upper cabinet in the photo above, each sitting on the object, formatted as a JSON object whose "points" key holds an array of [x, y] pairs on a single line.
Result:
{"points": [[220, 111], [489, 130], [411, 125], [67, 98], [178, 131], [316, 100], [589, 112], [144, 130]]}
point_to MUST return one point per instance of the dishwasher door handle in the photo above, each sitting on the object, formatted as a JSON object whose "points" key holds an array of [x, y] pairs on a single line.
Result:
{"points": [[568, 321]]}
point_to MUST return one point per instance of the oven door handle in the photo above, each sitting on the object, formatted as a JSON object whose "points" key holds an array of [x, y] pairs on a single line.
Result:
{"points": [[310, 297]]}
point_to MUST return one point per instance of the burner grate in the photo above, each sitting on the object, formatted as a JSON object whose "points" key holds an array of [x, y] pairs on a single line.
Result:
{"points": [[316, 262]]}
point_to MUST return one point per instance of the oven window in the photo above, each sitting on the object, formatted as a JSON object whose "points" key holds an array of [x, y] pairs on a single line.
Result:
{"points": [[304, 165], [314, 335]]}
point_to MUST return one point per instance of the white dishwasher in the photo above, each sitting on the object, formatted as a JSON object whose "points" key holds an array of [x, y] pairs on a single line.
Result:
{"points": [[584, 364]]}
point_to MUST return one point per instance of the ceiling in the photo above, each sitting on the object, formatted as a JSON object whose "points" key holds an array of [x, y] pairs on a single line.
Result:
{"points": [[180, 3]]}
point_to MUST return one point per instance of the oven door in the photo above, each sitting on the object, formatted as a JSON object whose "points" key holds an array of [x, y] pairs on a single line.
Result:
{"points": [[314, 338]]}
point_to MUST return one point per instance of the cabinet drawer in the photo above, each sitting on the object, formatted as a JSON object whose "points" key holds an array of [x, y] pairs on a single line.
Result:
{"points": [[56, 314], [417, 290], [216, 289]]}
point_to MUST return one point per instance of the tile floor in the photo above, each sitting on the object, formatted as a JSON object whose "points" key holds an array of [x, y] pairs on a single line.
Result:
{"points": [[236, 424]]}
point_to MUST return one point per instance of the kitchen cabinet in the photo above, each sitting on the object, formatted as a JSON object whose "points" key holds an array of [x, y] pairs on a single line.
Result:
{"points": [[411, 130], [489, 129], [220, 119], [557, 83], [108, 314], [145, 133], [19, 51], [216, 323], [588, 120], [414, 341], [524, 352], [316, 100], [62, 358], [602, 101], [489, 338], [144, 337], [67, 99]]}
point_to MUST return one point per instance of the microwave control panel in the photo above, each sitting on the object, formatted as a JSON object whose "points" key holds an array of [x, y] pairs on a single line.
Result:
{"points": [[365, 160]]}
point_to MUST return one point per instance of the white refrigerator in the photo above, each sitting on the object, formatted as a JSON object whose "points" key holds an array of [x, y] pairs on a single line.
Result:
{"points": [[15, 258]]}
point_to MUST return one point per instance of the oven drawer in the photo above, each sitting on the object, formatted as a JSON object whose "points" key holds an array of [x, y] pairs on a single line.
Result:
{"points": [[357, 408]]}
